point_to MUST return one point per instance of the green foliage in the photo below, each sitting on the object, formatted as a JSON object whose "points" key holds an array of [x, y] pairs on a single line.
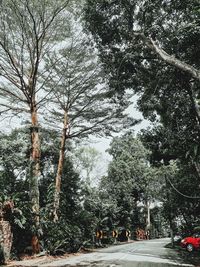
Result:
{"points": [[130, 181], [173, 25], [68, 233], [62, 237], [13, 160], [197, 229], [70, 196], [162, 146], [167, 94], [179, 196], [11, 211], [178, 178]]}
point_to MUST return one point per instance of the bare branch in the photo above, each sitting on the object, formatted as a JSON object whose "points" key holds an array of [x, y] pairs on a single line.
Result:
{"points": [[89, 129], [9, 93], [14, 108]]}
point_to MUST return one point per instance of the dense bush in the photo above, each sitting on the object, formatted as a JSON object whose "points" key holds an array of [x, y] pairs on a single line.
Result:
{"points": [[62, 237]]}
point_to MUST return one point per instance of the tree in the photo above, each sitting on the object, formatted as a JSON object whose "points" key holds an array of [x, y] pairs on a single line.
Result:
{"points": [[177, 177], [129, 180], [99, 211], [29, 29], [79, 95], [87, 158], [156, 25], [180, 197], [168, 144], [154, 50]]}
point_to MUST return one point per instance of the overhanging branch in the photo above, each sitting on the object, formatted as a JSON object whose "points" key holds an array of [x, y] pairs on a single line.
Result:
{"points": [[172, 60]]}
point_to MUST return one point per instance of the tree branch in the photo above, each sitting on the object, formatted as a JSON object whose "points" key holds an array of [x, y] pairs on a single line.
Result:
{"points": [[195, 73]]}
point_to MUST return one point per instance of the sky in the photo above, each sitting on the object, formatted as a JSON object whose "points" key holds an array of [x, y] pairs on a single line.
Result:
{"points": [[102, 144]]}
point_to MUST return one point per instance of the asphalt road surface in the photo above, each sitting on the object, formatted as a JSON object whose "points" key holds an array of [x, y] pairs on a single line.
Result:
{"points": [[148, 253]]}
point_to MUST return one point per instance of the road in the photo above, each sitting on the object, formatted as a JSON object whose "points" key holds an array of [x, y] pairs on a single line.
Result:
{"points": [[148, 253]]}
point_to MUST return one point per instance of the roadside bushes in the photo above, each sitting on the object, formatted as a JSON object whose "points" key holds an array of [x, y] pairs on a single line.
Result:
{"points": [[62, 237]]}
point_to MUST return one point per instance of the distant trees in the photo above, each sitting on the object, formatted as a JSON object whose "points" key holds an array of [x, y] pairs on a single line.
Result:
{"points": [[86, 159], [131, 181]]}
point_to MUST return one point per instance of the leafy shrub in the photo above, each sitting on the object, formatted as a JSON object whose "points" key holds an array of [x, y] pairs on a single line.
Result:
{"points": [[62, 237]]}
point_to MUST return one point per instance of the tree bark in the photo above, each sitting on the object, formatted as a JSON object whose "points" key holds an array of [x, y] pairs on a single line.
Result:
{"points": [[60, 169], [6, 239], [148, 220], [35, 167]]}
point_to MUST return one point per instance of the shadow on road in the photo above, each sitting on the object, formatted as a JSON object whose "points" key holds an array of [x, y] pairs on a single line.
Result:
{"points": [[124, 264], [185, 256], [191, 258]]}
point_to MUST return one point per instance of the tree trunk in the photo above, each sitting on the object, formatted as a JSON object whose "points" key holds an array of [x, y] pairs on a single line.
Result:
{"points": [[148, 220], [6, 238], [35, 168], [60, 169], [172, 237]]}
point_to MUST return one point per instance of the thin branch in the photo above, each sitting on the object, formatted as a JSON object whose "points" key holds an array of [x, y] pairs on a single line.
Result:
{"points": [[14, 108], [88, 129], [11, 94], [56, 12], [179, 192]]}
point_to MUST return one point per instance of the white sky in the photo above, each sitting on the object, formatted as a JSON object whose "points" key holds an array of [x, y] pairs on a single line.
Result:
{"points": [[102, 144]]}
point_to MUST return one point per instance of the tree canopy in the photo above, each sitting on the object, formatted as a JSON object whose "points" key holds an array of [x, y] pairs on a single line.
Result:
{"points": [[151, 47]]}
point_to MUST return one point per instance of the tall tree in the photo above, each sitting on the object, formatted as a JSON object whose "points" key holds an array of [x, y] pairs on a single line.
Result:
{"points": [[29, 29], [80, 95], [129, 179]]}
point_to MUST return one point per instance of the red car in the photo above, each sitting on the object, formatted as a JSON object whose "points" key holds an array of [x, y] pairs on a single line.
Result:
{"points": [[191, 243]]}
